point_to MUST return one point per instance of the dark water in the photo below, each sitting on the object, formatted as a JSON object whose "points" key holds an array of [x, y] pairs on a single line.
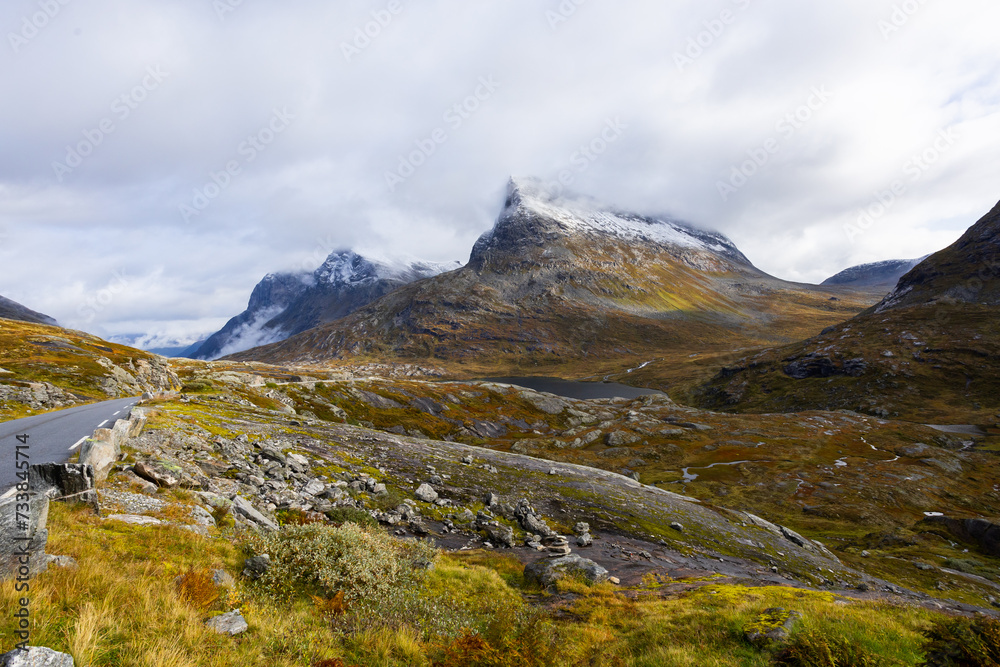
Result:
{"points": [[579, 390]]}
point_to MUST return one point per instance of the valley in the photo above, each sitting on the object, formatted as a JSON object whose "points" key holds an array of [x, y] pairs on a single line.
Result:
{"points": [[623, 397]]}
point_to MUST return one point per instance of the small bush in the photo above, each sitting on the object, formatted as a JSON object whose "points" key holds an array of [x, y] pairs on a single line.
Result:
{"points": [[342, 515], [196, 387], [326, 560], [963, 642], [814, 649], [198, 589], [389, 501]]}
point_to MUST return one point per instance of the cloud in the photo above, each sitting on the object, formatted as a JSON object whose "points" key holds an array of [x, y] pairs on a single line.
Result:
{"points": [[202, 91]]}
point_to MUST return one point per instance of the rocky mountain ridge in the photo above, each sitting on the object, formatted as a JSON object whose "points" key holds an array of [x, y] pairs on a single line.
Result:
{"points": [[561, 280], [285, 304], [875, 274], [929, 351]]}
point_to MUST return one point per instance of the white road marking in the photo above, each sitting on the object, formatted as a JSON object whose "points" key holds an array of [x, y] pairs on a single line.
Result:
{"points": [[101, 425], [78, 443], [9, 493], [117, 413]]}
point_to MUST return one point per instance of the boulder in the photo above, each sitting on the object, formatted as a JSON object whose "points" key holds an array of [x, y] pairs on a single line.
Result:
{"points": [[619, 438], [243, 508], [230, 624], [202, 516], [535, 525], [223, 579], [547, 403], [135, 519], [426, 493], [132, 479], [59, 481], [161, 473], [256, 567], [101, 455], [22, 545], [35, 656], [62, 561], [547, 572], [501, 535], [314, 487]]}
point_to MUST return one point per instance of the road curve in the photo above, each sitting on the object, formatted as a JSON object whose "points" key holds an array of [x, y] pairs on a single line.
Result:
{"points": [[54, 436]]}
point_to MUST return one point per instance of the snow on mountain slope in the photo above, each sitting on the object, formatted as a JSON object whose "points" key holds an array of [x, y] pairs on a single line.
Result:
{"points": [[348, 268], [529, 201]]}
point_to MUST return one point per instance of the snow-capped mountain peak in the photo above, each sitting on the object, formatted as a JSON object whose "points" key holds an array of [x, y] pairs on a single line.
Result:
{"points": [[532, 199], [346, 267]]}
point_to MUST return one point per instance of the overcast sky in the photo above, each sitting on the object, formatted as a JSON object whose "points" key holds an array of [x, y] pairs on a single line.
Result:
{"points": [[776, 122]]}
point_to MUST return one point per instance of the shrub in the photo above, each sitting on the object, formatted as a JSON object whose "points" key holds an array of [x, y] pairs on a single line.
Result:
{"points": [[963, 642], [342, 515], [325, 560], [814, 649], [198, 589], [196, 386]]}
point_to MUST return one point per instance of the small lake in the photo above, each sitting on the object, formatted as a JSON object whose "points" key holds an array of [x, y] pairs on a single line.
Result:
{"points": [[575, 389]]}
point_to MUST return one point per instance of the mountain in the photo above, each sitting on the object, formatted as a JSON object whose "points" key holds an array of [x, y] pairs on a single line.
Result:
{"points": [[929, 351], [285, 304], [11, 310], [877, 274], [562, 281]]}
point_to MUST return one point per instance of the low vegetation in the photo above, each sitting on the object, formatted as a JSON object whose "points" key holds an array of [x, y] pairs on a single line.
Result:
{"points": [[140, 596]]}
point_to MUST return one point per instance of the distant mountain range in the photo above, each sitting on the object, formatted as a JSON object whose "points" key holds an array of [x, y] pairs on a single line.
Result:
{"points": [[930, 350], [568, 280], [12, 310], [285, 304], [877, 274]]}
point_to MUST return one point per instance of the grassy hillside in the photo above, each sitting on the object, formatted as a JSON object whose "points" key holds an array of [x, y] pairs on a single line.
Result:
{"points": [[45, 367]]}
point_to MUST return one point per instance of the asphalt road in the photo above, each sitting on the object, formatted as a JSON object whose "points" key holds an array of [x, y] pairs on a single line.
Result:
{"points": [[54, 436]]}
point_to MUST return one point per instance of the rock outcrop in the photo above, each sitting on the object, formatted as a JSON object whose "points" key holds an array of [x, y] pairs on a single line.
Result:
{"points": [[35, 656], [23, 535]]}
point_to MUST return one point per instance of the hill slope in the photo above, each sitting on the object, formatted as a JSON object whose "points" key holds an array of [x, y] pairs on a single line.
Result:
{"points": [[559, 282], [929, 351], [11, 310], [877, 274]]}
